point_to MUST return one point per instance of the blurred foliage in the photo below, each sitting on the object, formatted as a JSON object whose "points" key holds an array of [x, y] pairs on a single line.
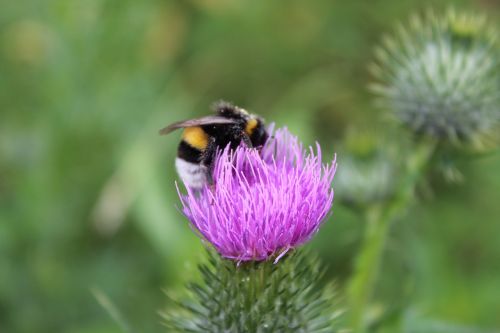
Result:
{"points": [[87, 199]]}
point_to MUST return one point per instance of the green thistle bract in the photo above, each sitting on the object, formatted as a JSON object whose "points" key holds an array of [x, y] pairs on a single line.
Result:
{"points": [[257, 297], [440, 76]]}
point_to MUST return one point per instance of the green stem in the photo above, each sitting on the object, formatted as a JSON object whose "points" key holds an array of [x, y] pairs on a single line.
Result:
{"points": [[379, 219]]}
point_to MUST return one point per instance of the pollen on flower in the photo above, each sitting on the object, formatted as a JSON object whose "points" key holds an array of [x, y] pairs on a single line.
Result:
{"points": [[263, 203]]}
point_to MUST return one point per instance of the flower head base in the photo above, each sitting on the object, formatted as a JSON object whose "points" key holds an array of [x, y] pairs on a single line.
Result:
{"points": [[440, 76], [263, 203]]}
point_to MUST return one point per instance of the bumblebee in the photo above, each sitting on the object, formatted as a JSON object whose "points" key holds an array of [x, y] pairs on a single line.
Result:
{"points": [[201, 137]]}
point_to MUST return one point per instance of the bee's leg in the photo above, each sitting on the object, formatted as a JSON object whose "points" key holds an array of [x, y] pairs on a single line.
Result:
{"points": [[238, 135], [246, 140], [210, 177], [208, 159]]}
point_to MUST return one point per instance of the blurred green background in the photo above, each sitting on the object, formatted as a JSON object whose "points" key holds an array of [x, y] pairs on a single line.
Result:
{"points": [[87, 196]]}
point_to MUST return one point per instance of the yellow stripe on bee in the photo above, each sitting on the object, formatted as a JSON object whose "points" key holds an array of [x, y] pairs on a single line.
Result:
{"points": [[195, 137], [251, 125]]}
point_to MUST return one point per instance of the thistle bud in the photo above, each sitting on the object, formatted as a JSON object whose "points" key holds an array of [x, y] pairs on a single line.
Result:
{"points": [[368, 171], [440, 77]]}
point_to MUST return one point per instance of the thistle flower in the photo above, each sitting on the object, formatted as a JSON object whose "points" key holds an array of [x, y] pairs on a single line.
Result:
{"points": [[263, 203], [440, 76]]}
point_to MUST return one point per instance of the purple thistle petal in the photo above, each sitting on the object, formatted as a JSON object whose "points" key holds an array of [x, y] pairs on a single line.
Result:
{"points": [[263, 203]]}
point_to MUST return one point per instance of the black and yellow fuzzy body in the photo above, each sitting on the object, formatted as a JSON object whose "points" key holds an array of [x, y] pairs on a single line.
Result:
{"points": [[201, 137]]}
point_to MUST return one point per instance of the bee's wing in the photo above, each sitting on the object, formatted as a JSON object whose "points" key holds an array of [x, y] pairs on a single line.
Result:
{"points": [[196, 122]]}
